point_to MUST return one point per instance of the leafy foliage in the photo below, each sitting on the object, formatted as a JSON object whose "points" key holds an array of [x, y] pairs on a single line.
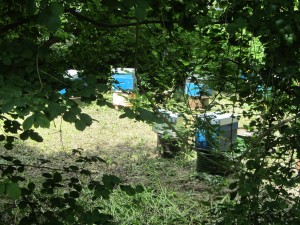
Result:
{"points": [[58, 193], [166, 41]]}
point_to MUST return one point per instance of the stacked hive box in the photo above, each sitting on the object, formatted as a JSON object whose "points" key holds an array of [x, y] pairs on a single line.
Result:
{"points": [[216, 132], [123, 86], [195, 91], [223, 131], [166, 137], [72, 75]]}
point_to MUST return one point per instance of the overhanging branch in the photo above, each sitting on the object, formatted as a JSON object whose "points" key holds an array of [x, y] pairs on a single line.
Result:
{"points": [[81, 17], [265, 133], [10, 26]]}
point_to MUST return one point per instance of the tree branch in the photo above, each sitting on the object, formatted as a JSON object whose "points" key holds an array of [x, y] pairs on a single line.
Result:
{"points": [[79, 16], [262, 135], [10, 26], [106, 25]]}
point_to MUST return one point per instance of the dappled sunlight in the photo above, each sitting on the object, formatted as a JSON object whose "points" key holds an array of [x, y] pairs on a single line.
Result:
{"points": [[129, 148], [107, 134]]}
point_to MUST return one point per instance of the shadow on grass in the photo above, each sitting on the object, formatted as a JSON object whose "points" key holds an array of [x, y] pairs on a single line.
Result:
{"points": [[171, 184], [133, 164]]}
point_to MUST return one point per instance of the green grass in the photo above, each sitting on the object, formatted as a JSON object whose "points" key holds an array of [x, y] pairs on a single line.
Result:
{"points": [[174, 192], [161, 206]]}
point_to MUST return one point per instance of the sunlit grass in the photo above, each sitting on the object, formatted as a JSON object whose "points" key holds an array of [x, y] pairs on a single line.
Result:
{"points": [[160, 206], [174, 194]]}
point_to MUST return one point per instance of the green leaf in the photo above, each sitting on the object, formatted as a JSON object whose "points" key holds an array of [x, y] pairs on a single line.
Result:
{"points": [[43, 52], [22, 111], [69, 116], [52, 22], [148, 116], [129, 3], [56, 8], [110, 3], [243, 190], [231, 28], [91, 80], [80, 125], [7, 61], [141, 9], [87, 92], [41, 120], [8, 107], [27, 53], [13, 190], [55, 109], [241, 22], [30, 7], [86, 119], [2, 188], [76, 110], [271, 191], [28, 122], [233, 98]]}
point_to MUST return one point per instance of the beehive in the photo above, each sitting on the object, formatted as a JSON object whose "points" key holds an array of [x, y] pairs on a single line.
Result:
{"points": [[222, 132], [124, 79], [122, 99]]}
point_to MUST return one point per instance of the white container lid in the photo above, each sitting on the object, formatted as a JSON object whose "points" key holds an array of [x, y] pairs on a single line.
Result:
{"points": [[123, 70], [169, 113], [72, 74], [218, 118], [173, 117]]}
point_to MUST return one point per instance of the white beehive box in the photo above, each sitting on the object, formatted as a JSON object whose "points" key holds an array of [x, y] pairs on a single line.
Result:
{"points": [[218, 118], [122, 99], [174, 118], [225, 130]]}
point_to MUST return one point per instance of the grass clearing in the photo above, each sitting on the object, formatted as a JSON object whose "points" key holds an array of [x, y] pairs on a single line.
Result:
{"points": [[174, 192], [160, 206]]}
